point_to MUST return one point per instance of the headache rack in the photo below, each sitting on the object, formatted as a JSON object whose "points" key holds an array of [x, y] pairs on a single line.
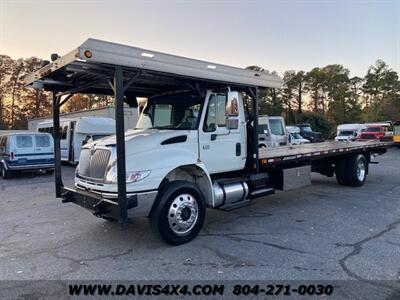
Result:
{"points": [[100, 67]]}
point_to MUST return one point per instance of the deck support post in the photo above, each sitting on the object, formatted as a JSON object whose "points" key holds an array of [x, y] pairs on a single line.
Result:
{"points": [[255, 132], [120, 139], [57, 147]]}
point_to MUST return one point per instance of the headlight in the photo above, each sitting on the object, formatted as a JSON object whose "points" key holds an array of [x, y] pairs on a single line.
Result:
{"points": [[134, 176]]}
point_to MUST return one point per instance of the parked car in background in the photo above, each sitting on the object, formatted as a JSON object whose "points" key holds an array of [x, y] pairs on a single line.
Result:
{"points": [[271, 131], [396, 133], [349, 132], [309, 134], [76, 132], [387, 128], [26, 151], [376, 131], [294, 136]]}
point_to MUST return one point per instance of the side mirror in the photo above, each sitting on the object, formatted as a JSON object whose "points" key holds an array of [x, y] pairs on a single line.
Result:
{"points": [[232, 104]]}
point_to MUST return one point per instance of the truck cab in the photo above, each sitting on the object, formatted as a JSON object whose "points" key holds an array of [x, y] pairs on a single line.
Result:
{"points": [[272, 131]]}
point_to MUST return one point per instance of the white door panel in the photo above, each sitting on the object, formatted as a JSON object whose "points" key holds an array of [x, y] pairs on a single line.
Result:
{"points": [[221, 149]]}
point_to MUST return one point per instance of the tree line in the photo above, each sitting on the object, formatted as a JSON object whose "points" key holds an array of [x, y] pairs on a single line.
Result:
{"points": [[328, 96], [324, 96]]}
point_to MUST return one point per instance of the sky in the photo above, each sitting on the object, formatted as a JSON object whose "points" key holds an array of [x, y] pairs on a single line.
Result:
{"points": [[276, 35]]}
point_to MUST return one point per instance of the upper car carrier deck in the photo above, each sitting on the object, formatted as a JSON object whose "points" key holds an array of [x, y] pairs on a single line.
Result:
{"points": [[287, 154]]}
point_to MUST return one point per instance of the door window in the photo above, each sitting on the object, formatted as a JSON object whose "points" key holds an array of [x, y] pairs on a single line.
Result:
{"points": [[42, 141], [216, 113], [24, 141]]}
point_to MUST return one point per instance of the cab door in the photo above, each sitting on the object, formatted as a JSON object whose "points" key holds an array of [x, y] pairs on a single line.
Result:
{"points": [[221, 147]]}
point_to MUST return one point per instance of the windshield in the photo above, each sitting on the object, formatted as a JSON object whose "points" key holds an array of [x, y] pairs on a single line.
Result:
{"points": [[173, 112], [397, 130], [262, 129], [307, 129], [297, 136], [276, 126], [346, 133]]}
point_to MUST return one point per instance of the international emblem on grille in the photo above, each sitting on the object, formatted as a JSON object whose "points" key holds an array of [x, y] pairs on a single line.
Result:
{"points": [[93, 163]]}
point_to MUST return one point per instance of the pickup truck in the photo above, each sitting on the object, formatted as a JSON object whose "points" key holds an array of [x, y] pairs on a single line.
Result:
{"points": [[195, 144], [309, 134]]}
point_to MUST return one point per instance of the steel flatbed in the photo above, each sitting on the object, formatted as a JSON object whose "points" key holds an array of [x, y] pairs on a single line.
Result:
{"points": [[271, 156]]}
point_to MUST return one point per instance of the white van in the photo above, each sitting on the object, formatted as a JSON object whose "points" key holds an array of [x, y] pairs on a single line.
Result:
{"points": [[295, 137], [26, 151], [76, 132], [349, 132]]}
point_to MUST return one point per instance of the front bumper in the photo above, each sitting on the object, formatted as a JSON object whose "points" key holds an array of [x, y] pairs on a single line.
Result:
{"points": [[106, 204], [15, 165]]}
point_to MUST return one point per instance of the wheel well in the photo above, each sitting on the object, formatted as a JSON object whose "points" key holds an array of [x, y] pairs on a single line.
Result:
{"points": [[194, 174]]}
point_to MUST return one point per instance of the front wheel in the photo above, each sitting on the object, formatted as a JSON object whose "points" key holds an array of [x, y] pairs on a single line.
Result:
{"points": [[178, 213]]}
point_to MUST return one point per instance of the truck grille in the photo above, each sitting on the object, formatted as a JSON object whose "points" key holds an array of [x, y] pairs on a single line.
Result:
{"points": [[93, 165], [368, 137]]}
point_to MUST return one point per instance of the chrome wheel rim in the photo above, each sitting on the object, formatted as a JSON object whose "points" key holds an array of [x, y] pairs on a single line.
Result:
{"points": [[361, 170], [183, 214]]}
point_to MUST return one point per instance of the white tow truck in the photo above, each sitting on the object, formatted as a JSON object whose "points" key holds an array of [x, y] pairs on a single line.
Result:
{"points": [[195, 144]]}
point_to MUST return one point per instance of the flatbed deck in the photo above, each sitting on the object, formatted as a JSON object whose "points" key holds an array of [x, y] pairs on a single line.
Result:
{"points": [[317, 150]]}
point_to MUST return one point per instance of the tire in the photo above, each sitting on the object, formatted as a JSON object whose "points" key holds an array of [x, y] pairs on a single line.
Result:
{"points": [[356, 170], [49, 172], [178, 213], [352, 170], [6, 174], [340, 171]]}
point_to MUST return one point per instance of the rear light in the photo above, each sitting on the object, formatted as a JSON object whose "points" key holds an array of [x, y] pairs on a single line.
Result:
{"points": [[12, 155]]}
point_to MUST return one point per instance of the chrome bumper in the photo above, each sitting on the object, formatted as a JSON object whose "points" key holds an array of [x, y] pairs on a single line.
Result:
{"points": [[144, 200]]}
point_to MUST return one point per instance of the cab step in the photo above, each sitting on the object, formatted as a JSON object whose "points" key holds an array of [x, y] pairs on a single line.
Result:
{"points": [[261, 192], [235, 205]]}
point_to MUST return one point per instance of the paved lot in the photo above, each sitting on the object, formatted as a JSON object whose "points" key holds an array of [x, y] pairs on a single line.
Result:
{"points": [[324, 231]]}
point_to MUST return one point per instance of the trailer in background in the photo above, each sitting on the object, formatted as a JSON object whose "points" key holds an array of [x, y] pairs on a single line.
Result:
{"points": [[130, 116], [76, 132]]}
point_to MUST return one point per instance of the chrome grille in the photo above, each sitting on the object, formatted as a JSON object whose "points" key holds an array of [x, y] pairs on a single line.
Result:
{"points": [[93, 164]]}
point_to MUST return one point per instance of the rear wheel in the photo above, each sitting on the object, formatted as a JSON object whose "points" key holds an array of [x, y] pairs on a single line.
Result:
{"points": [[178, 213], [340, 171], [352, 171]]}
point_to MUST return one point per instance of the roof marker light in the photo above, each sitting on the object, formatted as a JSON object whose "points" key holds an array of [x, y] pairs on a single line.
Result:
{"points": [[88, 54], [145, 54], [212, 67]]}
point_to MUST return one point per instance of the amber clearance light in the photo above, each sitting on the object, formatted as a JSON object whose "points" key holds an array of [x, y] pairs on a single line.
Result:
{"points": [[88, 53]]}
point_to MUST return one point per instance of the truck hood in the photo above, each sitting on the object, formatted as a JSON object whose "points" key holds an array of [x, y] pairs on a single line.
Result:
{"points": [[141, 140]]}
